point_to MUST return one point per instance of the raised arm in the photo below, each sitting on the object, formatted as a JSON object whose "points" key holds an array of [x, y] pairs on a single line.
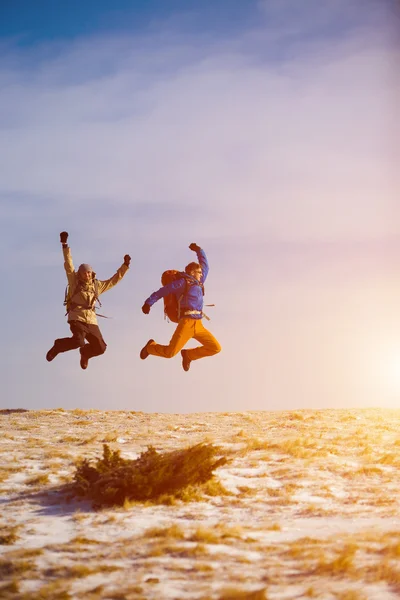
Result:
{"points": [[107, 284], [202, 258], [68, 263]]}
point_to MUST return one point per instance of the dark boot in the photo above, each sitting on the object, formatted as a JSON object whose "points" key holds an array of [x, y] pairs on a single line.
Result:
{"points": [[84, 360], [52, 353], [144, 352], [185, 360]]}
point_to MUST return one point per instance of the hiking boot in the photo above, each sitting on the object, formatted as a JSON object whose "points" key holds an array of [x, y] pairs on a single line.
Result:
{"points": [[185, 360], [52, 353], [84, 360], [144, 352]]}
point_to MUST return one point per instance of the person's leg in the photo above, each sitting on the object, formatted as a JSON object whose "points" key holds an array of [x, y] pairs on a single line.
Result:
{"points": [[182, 334], [71, 343], [95, 346], [210, 344]]}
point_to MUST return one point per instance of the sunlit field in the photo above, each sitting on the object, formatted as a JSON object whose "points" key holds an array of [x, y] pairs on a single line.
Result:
{"points": [[307, 505]]}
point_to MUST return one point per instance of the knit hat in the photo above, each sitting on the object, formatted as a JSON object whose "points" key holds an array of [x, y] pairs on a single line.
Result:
{"points": [[85, 267]]}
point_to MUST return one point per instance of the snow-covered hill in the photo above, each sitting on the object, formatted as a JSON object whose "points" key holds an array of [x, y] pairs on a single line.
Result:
{"points": [[308, 506]]}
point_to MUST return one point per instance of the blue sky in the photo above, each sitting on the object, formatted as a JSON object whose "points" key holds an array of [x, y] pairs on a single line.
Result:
{"points": [[260, 131], [42, 20]]}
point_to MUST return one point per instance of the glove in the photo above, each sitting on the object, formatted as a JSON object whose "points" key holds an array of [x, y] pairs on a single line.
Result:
{"points": [[194, 247], [127, 260], [146, 308], [63, 237]]}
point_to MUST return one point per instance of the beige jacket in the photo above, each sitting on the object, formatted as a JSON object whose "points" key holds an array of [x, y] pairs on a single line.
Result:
{"points": [[83, 296]]}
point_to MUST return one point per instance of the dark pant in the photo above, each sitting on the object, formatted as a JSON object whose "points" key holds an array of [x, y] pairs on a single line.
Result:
{"points": [[81, 332]]}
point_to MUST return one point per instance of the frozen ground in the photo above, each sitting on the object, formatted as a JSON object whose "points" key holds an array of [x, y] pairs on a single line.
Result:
{"points": [[312, 509]]}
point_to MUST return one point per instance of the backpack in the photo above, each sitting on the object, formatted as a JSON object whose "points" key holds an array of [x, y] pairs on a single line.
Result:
{"points": [[172, 304], [68, 295]]}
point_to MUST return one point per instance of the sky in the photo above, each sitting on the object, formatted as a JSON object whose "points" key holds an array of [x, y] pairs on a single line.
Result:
{"points": [[266, 132]]}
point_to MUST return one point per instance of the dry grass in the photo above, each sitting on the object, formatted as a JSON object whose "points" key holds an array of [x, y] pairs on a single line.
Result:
{"points": [[69, 439], [172, 532], [256, 444], [10, 470], [273, 527], [35, 442], [234, 594], [9, 590], [342, 565], [300, 448], [384, 571], [14, 568], [82, 541], [55, 453], [90, 440], [8, 535], [350, 595], [77, 571], [390, 459], [205, 535], [111, 436], [287, 471], [24, 553], [213, 487], [391, 550], [57, 590], [203, 568], [38, 480], [367, 471]]}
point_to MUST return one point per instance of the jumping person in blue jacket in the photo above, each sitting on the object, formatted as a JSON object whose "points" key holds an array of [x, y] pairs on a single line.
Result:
{"points": [[191, 314]]}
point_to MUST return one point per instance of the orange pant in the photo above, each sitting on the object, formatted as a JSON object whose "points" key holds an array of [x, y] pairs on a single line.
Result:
{"points": [[188, 328]]}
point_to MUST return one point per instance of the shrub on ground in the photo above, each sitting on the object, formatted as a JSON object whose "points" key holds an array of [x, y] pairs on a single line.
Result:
{"points": [[113, 480]]}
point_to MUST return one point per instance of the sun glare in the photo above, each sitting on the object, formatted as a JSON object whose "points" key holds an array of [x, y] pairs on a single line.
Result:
{"points": [[387, 375], [393, 372], [379, 363]]}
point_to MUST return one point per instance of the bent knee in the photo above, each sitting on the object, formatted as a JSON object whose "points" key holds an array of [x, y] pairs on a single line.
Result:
{"points": [[171, 352], [102, 349], [217, 348], [79, 341]]}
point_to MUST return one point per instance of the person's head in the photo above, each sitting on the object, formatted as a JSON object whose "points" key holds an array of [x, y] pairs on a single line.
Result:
{"points": [[194, 269], [85, 272]]}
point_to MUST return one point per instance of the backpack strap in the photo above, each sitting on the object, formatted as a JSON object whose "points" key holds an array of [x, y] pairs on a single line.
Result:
{"points": [[181, 296], [96, 292], [188, 282], [69, 305]]}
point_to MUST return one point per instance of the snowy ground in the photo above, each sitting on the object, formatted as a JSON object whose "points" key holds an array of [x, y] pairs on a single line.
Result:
{"points": [[313, 509]]}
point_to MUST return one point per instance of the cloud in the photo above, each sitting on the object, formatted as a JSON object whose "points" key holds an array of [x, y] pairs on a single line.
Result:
{"points": [[274, 148], [278, 148]]}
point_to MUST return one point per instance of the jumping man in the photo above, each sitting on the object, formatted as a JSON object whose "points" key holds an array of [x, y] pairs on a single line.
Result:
{"points": [[191, 313], [84, 290]]}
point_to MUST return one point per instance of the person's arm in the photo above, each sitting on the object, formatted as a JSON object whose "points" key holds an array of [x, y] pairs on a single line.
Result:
{"points": [[68, 262], [107, 284], [171, 288], [202, 258]]}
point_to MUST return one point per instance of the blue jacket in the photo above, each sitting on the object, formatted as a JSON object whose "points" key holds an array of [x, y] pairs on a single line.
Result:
{"points": [[193, 298]]}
